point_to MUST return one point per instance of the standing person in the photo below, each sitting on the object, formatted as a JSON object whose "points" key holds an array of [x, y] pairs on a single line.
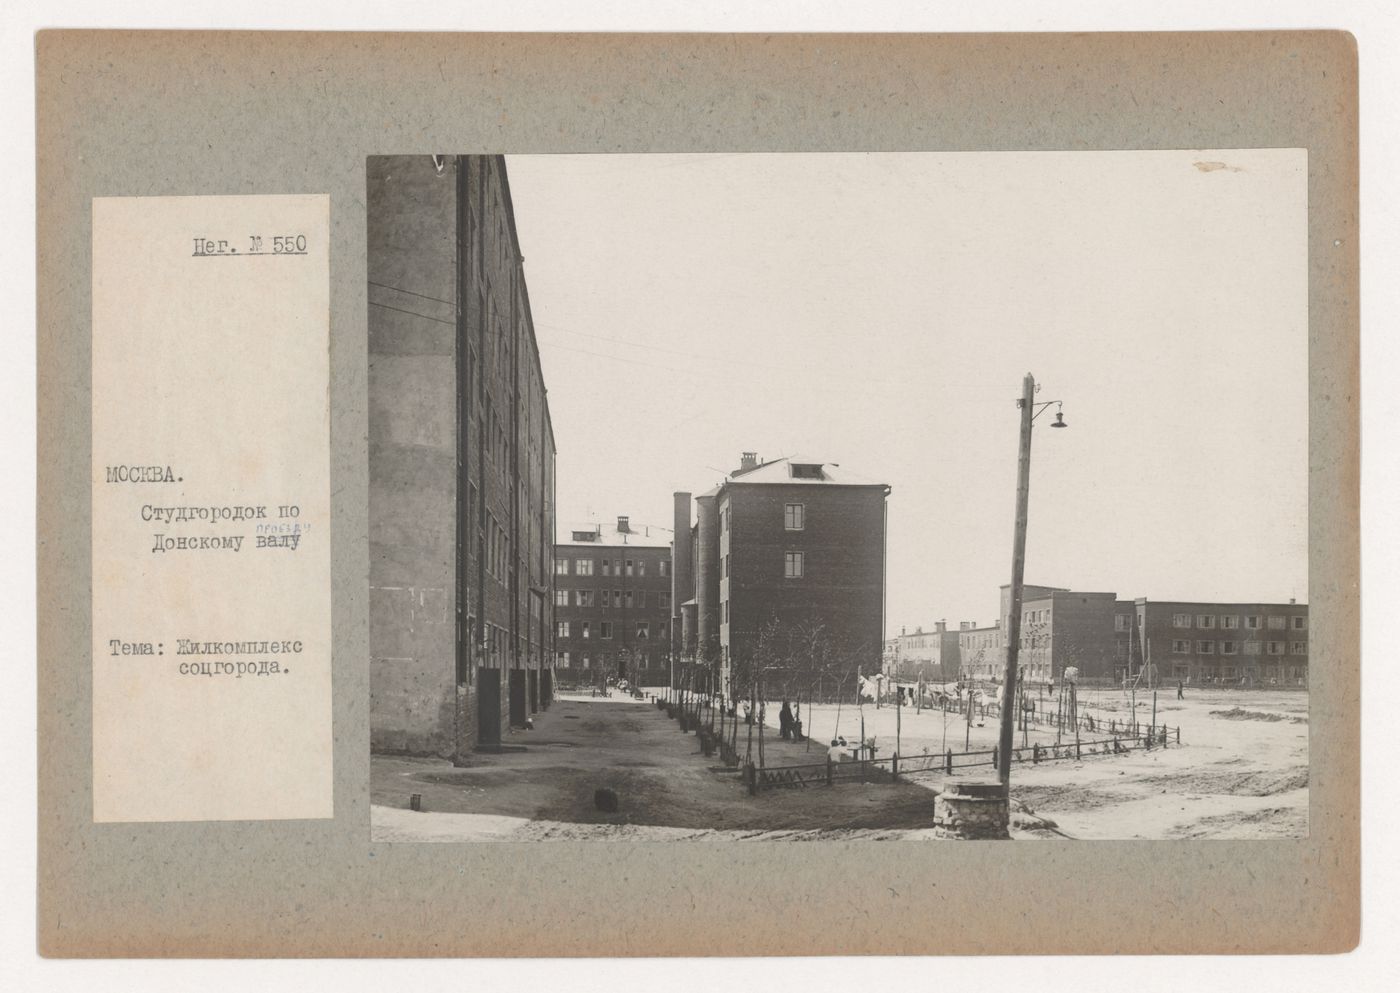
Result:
{"points": [[1179, 694], [785, 722]]}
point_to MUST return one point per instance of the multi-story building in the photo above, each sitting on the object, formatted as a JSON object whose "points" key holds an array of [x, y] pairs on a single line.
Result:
{"points": [[612, 604], [461, 458], [1108, 640], [1225, 643], [981, 652], [790, 576], [934, 656]]}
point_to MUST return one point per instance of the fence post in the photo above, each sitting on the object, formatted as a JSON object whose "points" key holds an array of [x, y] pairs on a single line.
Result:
{"points": [[995, 756], [894, 767], [948, 759], [1076, 749], [1178, 734]]}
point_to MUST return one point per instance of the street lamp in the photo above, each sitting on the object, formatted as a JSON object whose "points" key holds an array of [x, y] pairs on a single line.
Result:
{"points": [[1030, 410]]}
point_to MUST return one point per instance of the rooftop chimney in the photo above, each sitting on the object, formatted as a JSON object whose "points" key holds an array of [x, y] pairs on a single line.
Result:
{"points": [[622, 527], [748, 461], [940, 626], [1293, 599]]}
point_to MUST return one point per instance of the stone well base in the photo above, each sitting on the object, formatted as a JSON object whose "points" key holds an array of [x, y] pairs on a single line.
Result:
{"points": [[972, 810]]}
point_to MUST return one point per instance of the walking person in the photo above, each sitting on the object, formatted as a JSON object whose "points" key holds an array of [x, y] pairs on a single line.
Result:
{"points": [[1179, 694]]}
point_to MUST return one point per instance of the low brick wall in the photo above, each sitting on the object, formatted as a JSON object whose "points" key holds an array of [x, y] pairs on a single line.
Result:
{"points": [[972, 810]]}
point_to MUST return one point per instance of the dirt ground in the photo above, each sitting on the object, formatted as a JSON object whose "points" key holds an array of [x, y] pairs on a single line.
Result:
{"points": [[1241, 772]]}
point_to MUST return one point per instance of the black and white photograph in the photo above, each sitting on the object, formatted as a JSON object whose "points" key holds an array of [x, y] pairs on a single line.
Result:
{"points": [[820, 496]]}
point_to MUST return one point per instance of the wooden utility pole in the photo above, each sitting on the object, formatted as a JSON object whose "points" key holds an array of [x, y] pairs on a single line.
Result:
{"points": [[1018, 574]]}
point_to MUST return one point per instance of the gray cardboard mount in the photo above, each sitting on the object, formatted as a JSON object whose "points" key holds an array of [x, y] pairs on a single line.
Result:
{"points": [[124, 114]]}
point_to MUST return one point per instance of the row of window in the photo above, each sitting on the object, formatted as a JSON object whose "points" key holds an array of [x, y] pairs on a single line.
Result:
{"points": [[1183, 647], [584, 660], [584, 629], [1230, 622], [1290, 674], [610, 567], [617, 599], [794, 517]]}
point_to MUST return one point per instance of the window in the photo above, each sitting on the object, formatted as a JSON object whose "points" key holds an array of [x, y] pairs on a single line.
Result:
{"points": [[629, 567], [561, 598], [641, 598], [643, 630], [1205, 622], [1251, 623], [562, 659], [584, 631], [793, 565], [724, 571], [665, 599], [1181, 620], [627, 599], [1298, 648], [561, 629], [1300, 623], [1228, 648], [561, 566], [1251, 648], [583, 567], [794, 516], [641, 567], [1275, 648], [1205, 648], [605, 630], [1120, 622], [724, 612], [617, 599], [607, 567], [1277, 623], [587, 660], [583, 598], [665, 568], [1230, 623]]}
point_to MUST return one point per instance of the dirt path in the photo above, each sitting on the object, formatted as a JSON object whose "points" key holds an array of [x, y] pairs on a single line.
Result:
{"points": [[580, 745]]}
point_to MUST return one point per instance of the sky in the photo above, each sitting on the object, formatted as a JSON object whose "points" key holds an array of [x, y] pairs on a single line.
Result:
{"points": [[880, 311]]}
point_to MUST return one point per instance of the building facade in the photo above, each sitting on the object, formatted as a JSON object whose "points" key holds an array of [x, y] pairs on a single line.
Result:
{"points": [[933, 656], [790, 577], [461, 456], [612, 605], [1264, 644], [1109, 640]]}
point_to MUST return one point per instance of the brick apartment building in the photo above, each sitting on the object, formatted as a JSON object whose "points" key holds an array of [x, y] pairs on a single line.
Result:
{"points": [[1109, 639], [785, 552], [612, 604], [934, 656], [1225, 643], [461, 457]]}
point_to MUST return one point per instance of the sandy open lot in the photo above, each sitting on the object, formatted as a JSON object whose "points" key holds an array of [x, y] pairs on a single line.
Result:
{"points": [[1241, 770]]}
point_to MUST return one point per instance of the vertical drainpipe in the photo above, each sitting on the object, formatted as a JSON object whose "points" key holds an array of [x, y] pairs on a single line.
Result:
{"points": [[884, 557]]}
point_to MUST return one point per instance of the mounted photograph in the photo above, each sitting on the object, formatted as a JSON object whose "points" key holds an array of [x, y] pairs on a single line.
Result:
{"points": [[905, 496]]}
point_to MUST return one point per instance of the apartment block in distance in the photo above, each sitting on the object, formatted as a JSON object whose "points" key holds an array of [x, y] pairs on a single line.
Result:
{"points": [[612, 605], [461, 460], [1209, 644], [787, 550]]}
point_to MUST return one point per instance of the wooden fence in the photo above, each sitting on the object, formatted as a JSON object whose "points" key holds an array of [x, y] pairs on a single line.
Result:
{"points": [[891, 769]]}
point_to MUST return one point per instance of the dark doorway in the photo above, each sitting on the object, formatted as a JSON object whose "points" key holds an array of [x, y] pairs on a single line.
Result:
{"points": [[517, 697], [488, 706], [534, 677], [546, 688]]}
